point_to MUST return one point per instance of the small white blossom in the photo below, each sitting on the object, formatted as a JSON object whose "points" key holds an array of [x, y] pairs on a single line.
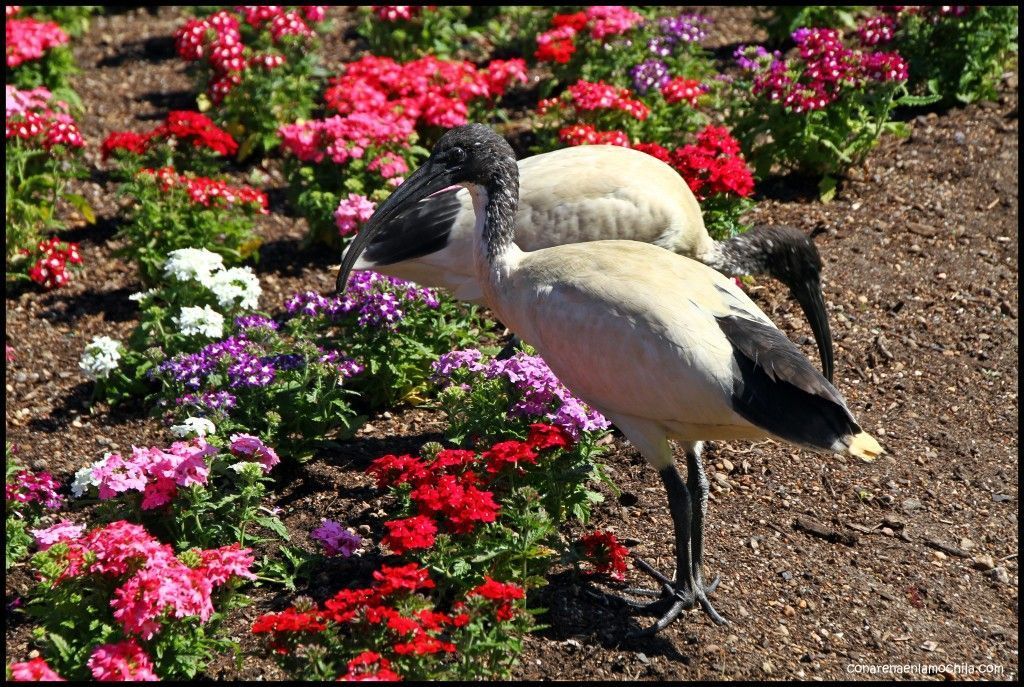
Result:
{"points": [[199, 426], [84, 479], [236, 286], [100, 357], [141, 295], [204, 320], [197, 264]]}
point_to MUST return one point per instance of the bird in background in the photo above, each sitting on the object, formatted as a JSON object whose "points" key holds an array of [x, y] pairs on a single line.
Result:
{"points": [[590, 193], [664, 346]]}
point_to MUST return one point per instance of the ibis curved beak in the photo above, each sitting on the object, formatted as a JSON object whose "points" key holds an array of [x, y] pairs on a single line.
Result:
{"points": [[425, 181], [812, 302]]}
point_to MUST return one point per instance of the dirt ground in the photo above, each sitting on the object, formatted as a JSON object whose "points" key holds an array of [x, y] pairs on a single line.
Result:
{"points": [[919, 563]]}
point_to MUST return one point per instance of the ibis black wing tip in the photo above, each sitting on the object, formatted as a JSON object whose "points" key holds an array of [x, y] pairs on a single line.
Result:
{"points": [[421, 230]]}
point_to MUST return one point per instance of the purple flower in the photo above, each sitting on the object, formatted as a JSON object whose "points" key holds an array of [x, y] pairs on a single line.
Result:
{"points": [[335, 539], [660, 46], [249, 371], [251, 321], [248, 446], [374, 299], [689, 28], [649, 74]]}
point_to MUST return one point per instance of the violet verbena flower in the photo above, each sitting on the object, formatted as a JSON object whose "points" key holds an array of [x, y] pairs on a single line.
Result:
{"points": [[541, 393], [649, 74], [687, 28], [376, 300], [336, 539], [252, 321]]}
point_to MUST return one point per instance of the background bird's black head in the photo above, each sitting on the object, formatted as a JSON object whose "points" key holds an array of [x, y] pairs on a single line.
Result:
{"points": [[789, 254], [476, 154]]}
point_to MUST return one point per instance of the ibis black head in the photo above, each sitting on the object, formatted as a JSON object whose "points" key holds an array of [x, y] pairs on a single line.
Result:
{"points": [[790, 256], [470, 155]]}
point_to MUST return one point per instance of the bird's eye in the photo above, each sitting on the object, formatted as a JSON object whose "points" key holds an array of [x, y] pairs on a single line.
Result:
{"points": [[456, 156]]}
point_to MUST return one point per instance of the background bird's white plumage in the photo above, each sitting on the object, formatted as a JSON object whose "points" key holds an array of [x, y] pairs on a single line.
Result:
{"points": [[588, 193]]}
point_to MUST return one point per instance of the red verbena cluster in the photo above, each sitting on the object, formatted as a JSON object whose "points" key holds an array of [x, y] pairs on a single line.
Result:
{"points": [[559, 43], [150, 579], [183, 126], [713, 165], [605, 553], [28, 39], [824, 68], [51, 267], [683, 90], [399, 12], [217, 40], [383, 611], [209, 192], [446, 489]]}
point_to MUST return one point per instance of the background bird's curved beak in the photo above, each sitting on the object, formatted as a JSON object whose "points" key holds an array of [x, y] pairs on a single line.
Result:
{"points": [[812, 302], [425, 181]]}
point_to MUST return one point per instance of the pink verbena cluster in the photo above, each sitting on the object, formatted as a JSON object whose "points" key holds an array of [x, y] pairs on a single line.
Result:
{"points": [[158, 473], [28, 487], [154, 584], [31, 116], [217, 40], [28, 39], [824, 68], [352, 212]]}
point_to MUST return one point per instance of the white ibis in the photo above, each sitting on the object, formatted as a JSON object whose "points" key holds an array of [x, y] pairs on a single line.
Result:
{"points": [[664, 346], [590, 193]]}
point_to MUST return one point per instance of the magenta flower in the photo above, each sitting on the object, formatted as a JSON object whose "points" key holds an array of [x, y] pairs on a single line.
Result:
{"points": [[335, 539]]}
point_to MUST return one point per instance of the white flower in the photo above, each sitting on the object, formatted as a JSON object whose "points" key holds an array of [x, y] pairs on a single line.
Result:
{"points": [[100, 357], [199, 426], [236, 284], [84, 479], [141, 295], [204, 320], [186, 264]]}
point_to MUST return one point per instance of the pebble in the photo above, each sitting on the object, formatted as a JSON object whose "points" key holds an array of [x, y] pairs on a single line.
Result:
{"points": [[789, 611], [984, 562], [999, 575], [767, 667], [910, 505], [727, 466]]}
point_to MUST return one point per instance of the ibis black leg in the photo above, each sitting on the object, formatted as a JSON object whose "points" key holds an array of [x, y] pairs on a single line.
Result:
{"points": [[697, 485], [514, 344]]}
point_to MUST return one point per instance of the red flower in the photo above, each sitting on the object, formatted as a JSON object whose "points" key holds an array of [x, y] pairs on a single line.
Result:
{"points": [[407, 577], [578, 20], [507, 453], [654, 150], [200, 130], [543, 436], [475, 506], [556, 45], [411, 533], [498, 591], [680, 89], [390, 470], [289, 620], [370, 665], [124, 140], [424, 644], [605, 552]]}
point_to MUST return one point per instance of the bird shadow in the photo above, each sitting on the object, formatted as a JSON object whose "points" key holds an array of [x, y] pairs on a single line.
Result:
{"points": [[153, 49], [165, 100], [74, 403], [573, 610], [290, 256], [788, 188], [113, 305]]}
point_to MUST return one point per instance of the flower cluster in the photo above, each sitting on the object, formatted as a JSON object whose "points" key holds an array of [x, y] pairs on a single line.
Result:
{"points": [[683, 90], [396, 12], [824, 68], [585, 96], [335, 539], [181, 127], [217, 42], [559, 43], [714, 165], [50, 270], [28, 39], [154, 585], [605, 553], [538, 393], [393, 615], [208, 192], [31, 118], [28, 487], [352, 212], [373, 299], [65, 530], [100, 357], [157, 473]]}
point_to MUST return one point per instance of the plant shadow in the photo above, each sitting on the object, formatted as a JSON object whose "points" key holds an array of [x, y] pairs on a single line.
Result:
{"points": [[153, 49]]}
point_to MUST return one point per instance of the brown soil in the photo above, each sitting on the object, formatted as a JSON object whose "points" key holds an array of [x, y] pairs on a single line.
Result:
{"points": [[920, 249]]}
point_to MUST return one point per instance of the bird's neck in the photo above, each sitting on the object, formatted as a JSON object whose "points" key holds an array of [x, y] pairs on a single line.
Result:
{"points": [[494, 231], [740, 255]]}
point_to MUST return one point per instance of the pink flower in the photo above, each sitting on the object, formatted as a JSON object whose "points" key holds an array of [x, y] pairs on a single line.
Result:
{"points": [[65, 530], [159, 493], [192, 470], [171, 585], [35, 670], [246, 445], [116, 476], [121, 662], [352, 212], [221, 564]]}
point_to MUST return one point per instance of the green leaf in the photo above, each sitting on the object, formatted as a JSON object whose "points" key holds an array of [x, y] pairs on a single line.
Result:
{"points": [[827, 189], [82, 205]]}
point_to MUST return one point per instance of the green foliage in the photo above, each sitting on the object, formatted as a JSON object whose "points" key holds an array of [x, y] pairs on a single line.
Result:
{"points": [[782, 20], [74, 19], [960, 59], [445, 32], [53, 70], [162, 220]]}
